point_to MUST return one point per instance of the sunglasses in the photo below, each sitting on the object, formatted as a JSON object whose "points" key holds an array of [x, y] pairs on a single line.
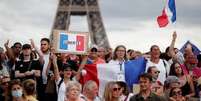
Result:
{"points": [[116, 89], [176, 92], [157, 72], [156, 89]]}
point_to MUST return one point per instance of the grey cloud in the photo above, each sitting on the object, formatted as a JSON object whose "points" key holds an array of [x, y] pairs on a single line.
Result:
{"points": [[188, 11]]}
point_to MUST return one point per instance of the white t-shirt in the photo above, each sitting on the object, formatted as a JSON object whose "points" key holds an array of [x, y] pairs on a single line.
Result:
{"points": [[61, 90], [161, 67], [46, 61]]}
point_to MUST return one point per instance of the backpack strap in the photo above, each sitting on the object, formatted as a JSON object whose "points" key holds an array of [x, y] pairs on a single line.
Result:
{"points": [[165, 65], [126, 98], [59, 85]]}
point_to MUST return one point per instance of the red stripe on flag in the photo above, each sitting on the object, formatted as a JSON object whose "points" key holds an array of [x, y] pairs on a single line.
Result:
{"points": [[91, 74], [163, 19], [80, 43]]}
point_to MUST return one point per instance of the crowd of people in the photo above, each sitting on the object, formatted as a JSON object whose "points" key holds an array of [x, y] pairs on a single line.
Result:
{"points": [[29, 73]]}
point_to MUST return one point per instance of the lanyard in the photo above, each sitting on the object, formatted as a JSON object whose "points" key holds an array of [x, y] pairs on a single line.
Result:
{"points": [[120, 63]]}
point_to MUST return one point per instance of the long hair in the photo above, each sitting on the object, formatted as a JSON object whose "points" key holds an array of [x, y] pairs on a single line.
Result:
{"points": [[125, 86], [32, 56], [115, 52], [108, 91], [172, 69]]}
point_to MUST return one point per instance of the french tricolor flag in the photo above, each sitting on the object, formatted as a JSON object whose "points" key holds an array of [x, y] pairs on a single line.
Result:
{"points": [[168, 14], [103, 73]]}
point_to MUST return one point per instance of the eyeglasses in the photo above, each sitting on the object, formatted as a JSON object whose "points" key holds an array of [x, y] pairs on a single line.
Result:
{"points": [[176, 92], [116, 89], [157, 72], [156, 88]]}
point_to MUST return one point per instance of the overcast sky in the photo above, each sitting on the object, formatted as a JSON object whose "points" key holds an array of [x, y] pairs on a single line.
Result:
{"points": [[128, 22]]}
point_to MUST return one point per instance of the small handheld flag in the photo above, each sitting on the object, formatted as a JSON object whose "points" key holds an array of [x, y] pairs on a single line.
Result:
{"points": [[168, 14]]}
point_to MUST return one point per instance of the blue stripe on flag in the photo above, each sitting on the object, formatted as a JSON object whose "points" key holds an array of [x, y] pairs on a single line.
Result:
{"points": [[63, 40], [133, 69], [171, 5]]}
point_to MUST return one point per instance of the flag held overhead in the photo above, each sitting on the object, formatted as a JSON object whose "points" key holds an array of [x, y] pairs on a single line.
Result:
{"points": [[168, 14], [163, 19]]}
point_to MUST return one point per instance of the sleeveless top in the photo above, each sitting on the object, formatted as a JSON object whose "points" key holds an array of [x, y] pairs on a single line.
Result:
{"points": [[186, 88]]}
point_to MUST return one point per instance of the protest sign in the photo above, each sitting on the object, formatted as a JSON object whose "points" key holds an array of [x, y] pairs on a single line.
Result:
{"points": [[70, 42]]}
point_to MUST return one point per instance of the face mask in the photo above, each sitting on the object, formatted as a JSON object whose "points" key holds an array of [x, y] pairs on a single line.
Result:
{"points": [[17, 93]]}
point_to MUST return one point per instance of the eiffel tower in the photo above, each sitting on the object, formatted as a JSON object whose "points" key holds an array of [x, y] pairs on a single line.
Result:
{"points": [[88, 8]]}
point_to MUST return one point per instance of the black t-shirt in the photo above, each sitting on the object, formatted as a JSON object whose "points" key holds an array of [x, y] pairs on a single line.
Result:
{"points": [[23, 67]]}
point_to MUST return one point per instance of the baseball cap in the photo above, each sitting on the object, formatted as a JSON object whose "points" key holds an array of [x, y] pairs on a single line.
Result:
{"points": [[94, 49], [66, 66]]}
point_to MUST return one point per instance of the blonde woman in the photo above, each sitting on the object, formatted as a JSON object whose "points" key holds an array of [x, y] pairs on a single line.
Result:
{"points": [[73, 91], [112, 92], [29, 87]]}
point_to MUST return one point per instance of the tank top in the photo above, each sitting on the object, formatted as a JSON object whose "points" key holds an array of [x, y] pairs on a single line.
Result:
{"points": [[186, 88]]}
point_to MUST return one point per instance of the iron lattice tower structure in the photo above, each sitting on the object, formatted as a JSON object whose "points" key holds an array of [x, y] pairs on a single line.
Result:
{"points": [[88, 8]]}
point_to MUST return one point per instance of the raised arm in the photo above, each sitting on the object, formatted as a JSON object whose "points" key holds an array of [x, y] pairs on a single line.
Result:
{"points": [[171, 49], [38, 51], [84, 61], [53, 59], [9, 51]]}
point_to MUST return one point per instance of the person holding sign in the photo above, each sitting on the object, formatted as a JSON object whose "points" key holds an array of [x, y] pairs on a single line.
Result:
{"points": [[61, 83]]}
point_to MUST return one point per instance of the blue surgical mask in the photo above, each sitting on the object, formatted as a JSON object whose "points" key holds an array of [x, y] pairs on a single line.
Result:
{"points": [[17, 93]]}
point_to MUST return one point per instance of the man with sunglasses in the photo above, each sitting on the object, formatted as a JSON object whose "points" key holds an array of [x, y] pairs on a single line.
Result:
{"points": [[157, 86], [145, 94], [154, 72]]}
